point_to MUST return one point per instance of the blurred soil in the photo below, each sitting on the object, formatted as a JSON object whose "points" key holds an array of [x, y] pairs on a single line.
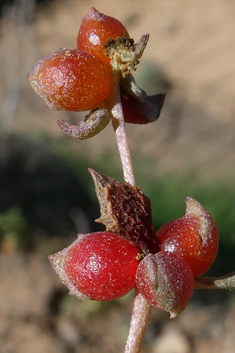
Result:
{"points": [[38, 316], [191, 55]]}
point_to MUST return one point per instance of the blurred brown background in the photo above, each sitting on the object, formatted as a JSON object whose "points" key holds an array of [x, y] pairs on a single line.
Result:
{"points": [[191, 46], [191, 56]]}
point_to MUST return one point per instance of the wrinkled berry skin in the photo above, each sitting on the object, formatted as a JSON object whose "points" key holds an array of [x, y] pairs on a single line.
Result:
{"points": [[166, 281], [193, 236], [70, 80], [99, 266]]}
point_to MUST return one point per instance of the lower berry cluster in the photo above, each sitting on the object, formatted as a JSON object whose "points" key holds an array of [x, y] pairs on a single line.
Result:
{"points": [[107, 265]]}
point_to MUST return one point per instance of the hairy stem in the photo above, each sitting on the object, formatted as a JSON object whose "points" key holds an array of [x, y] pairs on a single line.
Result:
{"points": [[139, 321], [120, 134]]}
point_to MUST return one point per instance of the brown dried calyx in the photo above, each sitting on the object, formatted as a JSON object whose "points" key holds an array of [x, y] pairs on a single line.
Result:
{"points": [[126, 211]]}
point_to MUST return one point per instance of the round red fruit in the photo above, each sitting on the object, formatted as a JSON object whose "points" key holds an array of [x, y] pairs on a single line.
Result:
{"points": [[166, 281], [193, 236], [95, 30], [70, 80], [99, 266]]}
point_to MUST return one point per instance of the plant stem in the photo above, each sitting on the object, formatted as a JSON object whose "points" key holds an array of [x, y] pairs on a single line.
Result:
{"points": [[224, 282], [139, 321], [120, 133], [141, 310]]}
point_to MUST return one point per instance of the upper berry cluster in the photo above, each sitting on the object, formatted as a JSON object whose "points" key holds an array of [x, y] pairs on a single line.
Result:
{"points": [[86, 78]]}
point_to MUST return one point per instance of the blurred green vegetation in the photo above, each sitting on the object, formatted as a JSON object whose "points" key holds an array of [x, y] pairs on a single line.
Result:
{"points": [[40, 193], [53, 161], [168, 194], [47, 196], [13, 228]]}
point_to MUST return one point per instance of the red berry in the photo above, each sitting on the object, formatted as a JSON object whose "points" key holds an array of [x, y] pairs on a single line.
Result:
{"points": [[95, 30], [99, 266], [194, 236], [71, 80], [166, 281]]}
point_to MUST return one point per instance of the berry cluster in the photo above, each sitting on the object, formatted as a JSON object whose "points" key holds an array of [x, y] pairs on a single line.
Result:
{"points": [[86, 78], [107, 265], [164, 266]]}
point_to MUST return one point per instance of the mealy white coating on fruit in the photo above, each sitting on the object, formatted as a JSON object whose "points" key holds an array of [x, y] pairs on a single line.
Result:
{"points": [[166, 281], [96, 15], [94, 39], [58, 261], [195, 209]]}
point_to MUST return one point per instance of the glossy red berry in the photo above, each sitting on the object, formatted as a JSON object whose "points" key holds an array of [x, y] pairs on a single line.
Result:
{"points": [[71, 80], [96, 28], [99, 266], [193, 236], [166, 281]]}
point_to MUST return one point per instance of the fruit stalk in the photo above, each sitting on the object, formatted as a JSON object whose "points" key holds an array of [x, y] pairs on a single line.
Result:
{"points": [[120, 132], [139, 321], [141, 310]]}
